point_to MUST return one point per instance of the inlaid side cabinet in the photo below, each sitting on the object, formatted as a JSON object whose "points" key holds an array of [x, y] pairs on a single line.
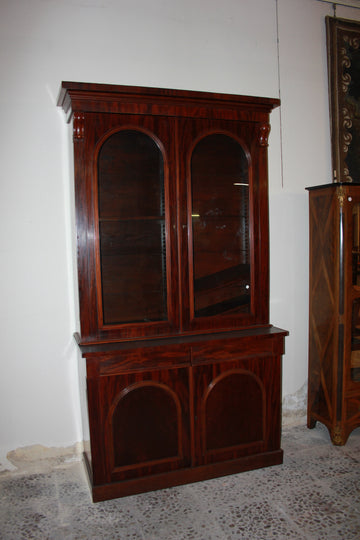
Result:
{"points": [[183, 368], [334, 320]]}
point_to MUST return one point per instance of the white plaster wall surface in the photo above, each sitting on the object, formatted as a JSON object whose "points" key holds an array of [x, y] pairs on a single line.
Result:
{"points": [[305, 156], [226, 46], [305, 161]]}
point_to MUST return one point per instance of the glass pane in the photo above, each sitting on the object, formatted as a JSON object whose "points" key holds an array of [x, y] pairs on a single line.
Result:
{"points": [[132, 229], [355, 340], [356, 245], [131, 177], [220, 221]]}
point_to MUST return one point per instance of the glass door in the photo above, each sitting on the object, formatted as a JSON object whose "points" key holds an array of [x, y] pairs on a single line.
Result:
{"points": [[220, 246], [132, 229], [355, 319], [220, 227], [134, 255]]}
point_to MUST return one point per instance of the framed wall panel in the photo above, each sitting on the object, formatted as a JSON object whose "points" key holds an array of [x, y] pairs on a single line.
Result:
{"points": [[343, 48]]}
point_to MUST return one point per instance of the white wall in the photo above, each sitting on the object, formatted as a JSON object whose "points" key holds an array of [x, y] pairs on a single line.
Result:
{"points": [[305, 161], [214, 45]]}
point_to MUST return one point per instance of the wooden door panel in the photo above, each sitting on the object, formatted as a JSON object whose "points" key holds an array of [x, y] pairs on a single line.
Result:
{"points": [[237, 408], [144, 423]]}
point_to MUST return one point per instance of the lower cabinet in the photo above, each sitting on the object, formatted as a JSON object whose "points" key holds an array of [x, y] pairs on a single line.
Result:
{"points": [[163, 416]]}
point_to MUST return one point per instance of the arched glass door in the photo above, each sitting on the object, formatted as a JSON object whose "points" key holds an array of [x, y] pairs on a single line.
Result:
{"points": [[131, 209], [220, 227]]}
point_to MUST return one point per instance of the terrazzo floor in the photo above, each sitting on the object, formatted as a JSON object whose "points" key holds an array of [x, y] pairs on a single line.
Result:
{"points": [[315, 494]]}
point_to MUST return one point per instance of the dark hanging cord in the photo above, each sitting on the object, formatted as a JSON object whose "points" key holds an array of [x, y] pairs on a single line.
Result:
{"points": [[334, 8]]}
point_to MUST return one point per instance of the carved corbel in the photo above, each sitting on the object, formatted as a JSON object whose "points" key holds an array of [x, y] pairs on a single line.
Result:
{"points": [[78, 126], [263, 134]]}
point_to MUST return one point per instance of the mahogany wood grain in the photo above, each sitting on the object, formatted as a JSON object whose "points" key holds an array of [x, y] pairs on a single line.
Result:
{"points": [[183, 367], [113, 490], [104, 98]]}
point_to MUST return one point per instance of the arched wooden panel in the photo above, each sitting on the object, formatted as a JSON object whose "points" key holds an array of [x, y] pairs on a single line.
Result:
{"points": [[145, 425], [233, 411]]}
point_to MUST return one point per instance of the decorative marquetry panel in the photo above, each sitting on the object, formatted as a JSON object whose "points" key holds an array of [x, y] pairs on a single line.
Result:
{"points": [[333, 391], [323, 300]]}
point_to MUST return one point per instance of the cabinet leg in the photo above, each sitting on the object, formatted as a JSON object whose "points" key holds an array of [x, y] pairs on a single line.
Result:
{"points": [[337, 436], [311, 423]]}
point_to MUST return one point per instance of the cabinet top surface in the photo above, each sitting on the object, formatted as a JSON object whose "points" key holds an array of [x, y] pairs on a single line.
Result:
{"points": [[84, 96], [108, 345], [333, 185]]}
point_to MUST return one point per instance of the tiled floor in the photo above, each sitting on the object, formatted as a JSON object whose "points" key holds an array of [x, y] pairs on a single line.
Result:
{"points": [[315, 494]]}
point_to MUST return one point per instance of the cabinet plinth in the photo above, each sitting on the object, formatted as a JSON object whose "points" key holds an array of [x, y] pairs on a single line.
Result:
{"points": [[183, 367], [334, 318]]}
